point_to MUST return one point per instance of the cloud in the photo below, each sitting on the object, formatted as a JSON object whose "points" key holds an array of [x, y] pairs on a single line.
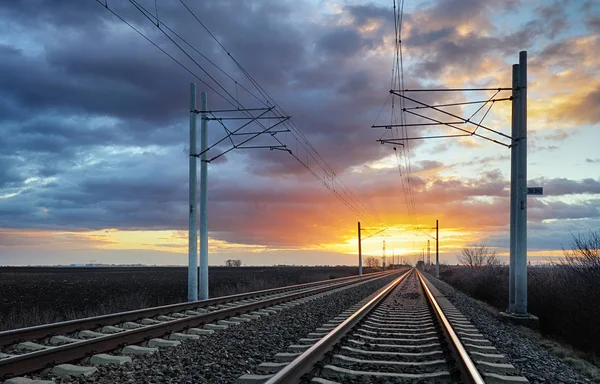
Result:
{"points": [[95, 119], [564, 186]]}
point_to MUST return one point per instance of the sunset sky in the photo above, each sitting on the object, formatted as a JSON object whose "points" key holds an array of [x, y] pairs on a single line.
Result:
{"points": [[94, 124]]}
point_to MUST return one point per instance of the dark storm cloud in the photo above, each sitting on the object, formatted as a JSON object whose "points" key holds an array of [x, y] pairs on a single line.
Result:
{"points": [[563, 186], [541, 210], [145, 195], [8, 175], [347, 40], [341, 42], [593, 23], [87, 79], [590, 8], [363, 14], [554, 16], [444, 48], [439, 45], [96, 118], [560, 53]]}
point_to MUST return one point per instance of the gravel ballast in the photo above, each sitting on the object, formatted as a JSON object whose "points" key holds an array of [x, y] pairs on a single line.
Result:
{"points": [[534, 362], [230, 353]]}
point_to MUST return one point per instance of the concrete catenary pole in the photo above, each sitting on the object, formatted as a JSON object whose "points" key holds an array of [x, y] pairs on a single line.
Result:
{"points": [[514, 157], [437, 249], [193, 235], [203, 202], [521, 259], [359, 252], [383, 255]]}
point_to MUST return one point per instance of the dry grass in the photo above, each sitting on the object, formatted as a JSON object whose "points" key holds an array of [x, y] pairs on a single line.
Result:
{"points": [[48, 295], [561, 298], [586, 363], [26, 317]]}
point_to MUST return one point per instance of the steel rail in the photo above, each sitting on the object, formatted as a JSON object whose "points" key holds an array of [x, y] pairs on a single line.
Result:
{"points": [[469, 372], [303, 364], [42, 331], [31, 362]]}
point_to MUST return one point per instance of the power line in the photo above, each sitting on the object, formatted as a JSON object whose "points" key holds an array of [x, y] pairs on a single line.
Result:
{"points": [[313, 153], [402, 155], [330, 180]]}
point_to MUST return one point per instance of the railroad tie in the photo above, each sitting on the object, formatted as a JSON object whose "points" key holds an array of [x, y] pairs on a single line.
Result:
{"points": [[73, 370], [137, 350], [106, 359], [110, 329], [25, 380]]}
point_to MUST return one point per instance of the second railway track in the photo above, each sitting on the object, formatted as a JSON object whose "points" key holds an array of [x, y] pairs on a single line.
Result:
{"points": [[406, 332], [32, 349]]}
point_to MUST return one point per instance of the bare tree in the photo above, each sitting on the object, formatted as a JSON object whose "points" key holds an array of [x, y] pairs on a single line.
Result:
{"points": [[372, 262], [479, 255], [584, 255]]}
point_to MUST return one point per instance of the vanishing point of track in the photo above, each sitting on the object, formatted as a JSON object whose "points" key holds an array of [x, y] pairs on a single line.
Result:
{"points": [[405, 332]]}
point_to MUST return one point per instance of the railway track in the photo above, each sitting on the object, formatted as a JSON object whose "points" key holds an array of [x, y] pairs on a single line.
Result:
{"points": [[28, 350], [405, 332]]}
